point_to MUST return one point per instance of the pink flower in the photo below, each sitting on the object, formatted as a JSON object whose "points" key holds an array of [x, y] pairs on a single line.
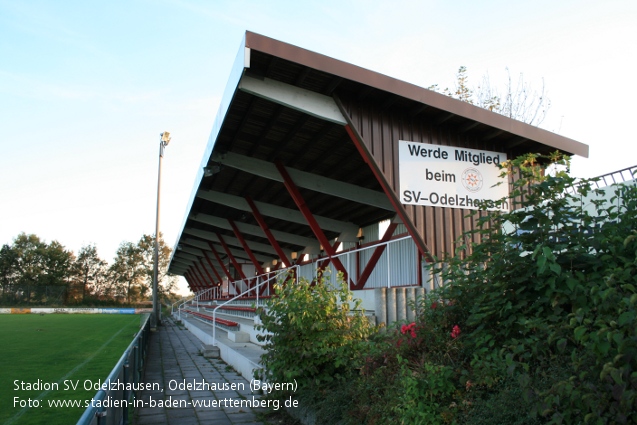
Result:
{"points": [[455, 332], [434, 305], [411, 328]]}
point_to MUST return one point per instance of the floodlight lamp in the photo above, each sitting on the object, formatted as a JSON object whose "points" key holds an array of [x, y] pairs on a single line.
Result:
{"points": [[165, 138]]}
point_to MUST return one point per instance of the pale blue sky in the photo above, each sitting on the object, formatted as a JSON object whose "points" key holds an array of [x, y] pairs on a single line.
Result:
{"points": [[86, 87]]}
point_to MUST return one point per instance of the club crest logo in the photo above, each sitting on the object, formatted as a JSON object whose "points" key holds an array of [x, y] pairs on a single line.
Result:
{"points": [[472, 180]]}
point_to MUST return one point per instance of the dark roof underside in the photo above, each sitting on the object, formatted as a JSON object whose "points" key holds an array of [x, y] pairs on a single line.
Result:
{"points": [[258, 128]]}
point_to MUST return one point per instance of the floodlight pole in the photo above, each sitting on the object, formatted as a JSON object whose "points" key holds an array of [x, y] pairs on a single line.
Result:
{"points": [[164, 139]]}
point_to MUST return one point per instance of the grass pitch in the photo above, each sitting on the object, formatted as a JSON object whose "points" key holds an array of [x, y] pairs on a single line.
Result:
{"points": [[64, 349]]}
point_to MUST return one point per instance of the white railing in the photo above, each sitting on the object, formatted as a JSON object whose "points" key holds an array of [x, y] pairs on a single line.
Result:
{"points": [[196, 298], [297, 268], [172, 307], [619, 176], [214, 312], [347, 254]]}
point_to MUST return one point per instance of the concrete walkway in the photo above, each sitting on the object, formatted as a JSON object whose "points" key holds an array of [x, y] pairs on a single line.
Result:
{"points": [[174, 363]]}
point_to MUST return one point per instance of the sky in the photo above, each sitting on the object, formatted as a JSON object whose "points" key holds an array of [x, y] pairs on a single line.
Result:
{"points": [[86, 87]]}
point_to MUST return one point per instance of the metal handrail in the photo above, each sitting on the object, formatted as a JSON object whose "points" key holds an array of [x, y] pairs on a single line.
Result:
{"points": [[172, 307], [214, 312], [343, 253], [135, 357], [373, 246], [195, 297], [600, 181]]}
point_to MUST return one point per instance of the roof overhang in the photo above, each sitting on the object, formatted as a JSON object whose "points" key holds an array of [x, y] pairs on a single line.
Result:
{"points": [[281, 117]]}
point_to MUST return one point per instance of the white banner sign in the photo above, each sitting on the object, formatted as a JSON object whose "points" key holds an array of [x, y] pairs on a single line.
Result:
{"points": [[449, 176]]}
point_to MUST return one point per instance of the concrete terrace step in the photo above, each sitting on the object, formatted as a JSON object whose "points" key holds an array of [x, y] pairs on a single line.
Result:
{"points": [[220, 322], [243, 301], [233, 310], [243, 331], [245, 357]]}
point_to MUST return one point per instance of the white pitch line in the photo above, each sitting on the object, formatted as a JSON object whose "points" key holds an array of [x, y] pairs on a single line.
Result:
{"points": [[70, 373]]}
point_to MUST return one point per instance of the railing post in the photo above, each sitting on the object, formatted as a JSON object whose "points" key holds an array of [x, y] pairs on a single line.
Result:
{"points": [[125, 394], [214, 327], [388, 263], [101, 414], [349, 274]]}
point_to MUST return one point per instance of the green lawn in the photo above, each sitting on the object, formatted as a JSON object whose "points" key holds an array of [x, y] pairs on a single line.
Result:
{"points": [[57, 348]]}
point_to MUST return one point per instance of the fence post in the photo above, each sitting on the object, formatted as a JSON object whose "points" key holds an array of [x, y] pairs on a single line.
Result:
{"points": [[125, 395]]}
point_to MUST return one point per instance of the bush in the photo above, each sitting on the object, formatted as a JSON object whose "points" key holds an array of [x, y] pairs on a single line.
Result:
{"points": [[313, 337], [554, 287], [536, 324]]}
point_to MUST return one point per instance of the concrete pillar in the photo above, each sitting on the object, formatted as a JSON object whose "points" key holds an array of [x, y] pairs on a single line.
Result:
{"points": [[411, 300], [391, 305], [380, 301], [420, 293], [401, 304]]}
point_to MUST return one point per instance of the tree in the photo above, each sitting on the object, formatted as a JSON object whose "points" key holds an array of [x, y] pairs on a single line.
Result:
{"points": [[29, 253], [519, 100], [32, 270], [128, 272], [89, 270], [57, 263], [165, 282], [8, 267]]}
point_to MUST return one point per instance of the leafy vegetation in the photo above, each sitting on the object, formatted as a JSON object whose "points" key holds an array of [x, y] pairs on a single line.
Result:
{"points": [[312, 334], [35, 272], [535, 324]]}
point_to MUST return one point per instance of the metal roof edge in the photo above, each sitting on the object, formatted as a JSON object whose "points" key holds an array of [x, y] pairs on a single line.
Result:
{"points": [[411, 91], [241, 62]]}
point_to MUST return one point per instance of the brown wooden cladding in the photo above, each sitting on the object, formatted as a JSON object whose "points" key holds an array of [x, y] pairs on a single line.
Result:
{"points": [[381, 129]]}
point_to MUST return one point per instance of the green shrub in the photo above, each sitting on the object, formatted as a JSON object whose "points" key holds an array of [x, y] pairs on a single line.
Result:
{"points": [[536, 324], [313, 337], [555, 286], [413, 371]]}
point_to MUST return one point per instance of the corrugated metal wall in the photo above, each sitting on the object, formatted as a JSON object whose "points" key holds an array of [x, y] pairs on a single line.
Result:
{"points": [[381, 129], [398, 265]]}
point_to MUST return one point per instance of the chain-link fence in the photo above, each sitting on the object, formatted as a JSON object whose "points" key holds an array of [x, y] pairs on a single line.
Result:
{"points": [[34, 295]]}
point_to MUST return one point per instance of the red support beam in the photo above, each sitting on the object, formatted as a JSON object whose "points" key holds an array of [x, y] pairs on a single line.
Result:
{"points": [[294, 192], [214, 270], [218, 257], [245, 246], [268, 234], [203, 266], [373, 260], [358, 142], [231, 257], [196, 280], [190, 284], [225, 270], [202, 275], [204, 279]]}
